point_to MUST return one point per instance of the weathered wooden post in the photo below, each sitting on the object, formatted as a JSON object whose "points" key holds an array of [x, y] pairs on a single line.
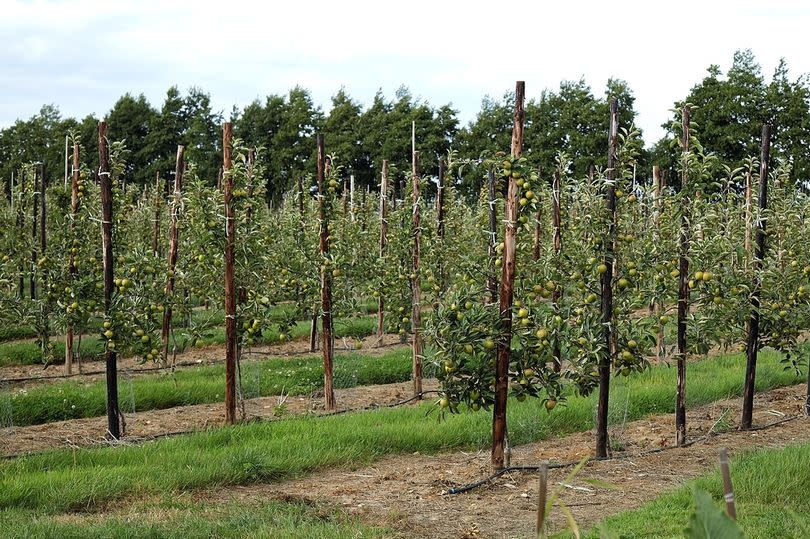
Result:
{"points": [[504, 346]]}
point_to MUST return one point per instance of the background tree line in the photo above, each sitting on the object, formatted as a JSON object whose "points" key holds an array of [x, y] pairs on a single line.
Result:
{"points": [[729, 111]]}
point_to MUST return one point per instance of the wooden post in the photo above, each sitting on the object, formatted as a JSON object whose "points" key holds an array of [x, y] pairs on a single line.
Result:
{"points": [[110, 356], [492, 209], [416, 283], [383, 243], [752, 343], [542, 493], [607, 287], [504, 347], [327, 342], [728, 489], [173, 245], [440, 200], [556, 294], [156, 225], [230, 284], [683, 290], [74, 210]]}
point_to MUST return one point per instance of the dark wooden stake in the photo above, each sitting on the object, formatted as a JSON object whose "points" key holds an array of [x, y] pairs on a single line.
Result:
{"points": [[504, 347], [327, 340], [416, 283], [728, 489], [607, 288], [230, 284], [173, 245], [752, 343], [683, 289], [383, 243], [110, 356], [542, 495]]}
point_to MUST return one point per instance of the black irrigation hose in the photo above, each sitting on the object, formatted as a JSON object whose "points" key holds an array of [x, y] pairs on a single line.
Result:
{"points": [[551, 466]]}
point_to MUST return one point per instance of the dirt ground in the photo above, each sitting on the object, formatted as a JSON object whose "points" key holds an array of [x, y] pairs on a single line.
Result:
{"points": [[409, 492]]}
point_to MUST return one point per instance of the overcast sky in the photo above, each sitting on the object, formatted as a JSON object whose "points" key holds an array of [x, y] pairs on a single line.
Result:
{"points": [[83, 55]]}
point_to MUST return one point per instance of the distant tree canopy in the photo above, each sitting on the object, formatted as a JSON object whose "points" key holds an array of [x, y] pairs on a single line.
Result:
{"points": [[728, 114], [727, 118]]}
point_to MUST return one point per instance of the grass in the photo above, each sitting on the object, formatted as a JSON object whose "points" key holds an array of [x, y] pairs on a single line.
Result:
{"points": [[182, 518], [10, 333], [770, 487], [76, 399], [29, 353], [64, 480]]}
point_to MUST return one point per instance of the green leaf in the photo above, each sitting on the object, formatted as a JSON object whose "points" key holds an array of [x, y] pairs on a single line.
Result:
{"points": [[709, 522]]}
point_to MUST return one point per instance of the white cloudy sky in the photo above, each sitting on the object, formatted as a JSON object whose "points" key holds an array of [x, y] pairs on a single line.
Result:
{"points": [[82, 55]]}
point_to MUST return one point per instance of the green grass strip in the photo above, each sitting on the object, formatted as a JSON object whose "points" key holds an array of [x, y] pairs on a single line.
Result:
{"points": [[770, 486], [183, 518], [75, 398], [64, 480]]}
